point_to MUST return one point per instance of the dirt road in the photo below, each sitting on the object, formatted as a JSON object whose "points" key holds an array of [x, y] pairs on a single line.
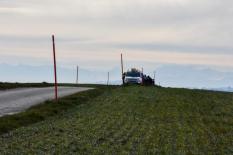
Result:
{"points": [[17, 100]]}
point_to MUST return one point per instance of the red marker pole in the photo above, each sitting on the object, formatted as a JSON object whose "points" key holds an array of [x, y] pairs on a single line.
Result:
{"points": [[55, 67]]}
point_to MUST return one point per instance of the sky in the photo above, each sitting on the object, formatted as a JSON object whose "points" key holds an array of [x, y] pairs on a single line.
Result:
{"points": [[153, 34]]}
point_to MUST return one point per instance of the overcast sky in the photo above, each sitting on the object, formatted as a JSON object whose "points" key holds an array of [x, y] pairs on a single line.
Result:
{"points": [[92, 33]]}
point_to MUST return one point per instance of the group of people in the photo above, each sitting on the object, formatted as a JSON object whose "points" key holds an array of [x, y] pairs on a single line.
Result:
{"points": [[147, 80]]}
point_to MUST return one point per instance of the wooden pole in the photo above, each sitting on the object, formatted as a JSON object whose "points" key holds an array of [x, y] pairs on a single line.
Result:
{"points": [[55, 68], [108, 79], [77, 75], [122, 69], [154, 77]]}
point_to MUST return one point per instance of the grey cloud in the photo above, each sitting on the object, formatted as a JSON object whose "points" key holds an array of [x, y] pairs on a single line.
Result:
{"points": [[9, 39], [175, 47], [150, 11], [91, 43]]}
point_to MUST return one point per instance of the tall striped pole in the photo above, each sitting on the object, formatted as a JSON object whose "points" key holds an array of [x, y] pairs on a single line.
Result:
{"points": [[55, 68]]}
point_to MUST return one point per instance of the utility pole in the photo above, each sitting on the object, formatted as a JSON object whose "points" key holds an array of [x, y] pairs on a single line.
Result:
{"points": [[122, 70], [154, 77], [142, 70], [108, 79], [77, 75], [55, 67]]}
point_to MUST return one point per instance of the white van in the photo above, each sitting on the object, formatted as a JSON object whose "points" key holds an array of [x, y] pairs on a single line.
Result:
{"points": [[133, 78]]}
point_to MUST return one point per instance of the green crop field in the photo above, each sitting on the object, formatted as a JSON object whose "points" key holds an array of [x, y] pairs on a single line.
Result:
{"points": [[132, 120]]}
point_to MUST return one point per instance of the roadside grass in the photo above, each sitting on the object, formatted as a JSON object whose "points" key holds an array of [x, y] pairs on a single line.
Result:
{"points": [[133, 120], [49, 108], [6, 85]]}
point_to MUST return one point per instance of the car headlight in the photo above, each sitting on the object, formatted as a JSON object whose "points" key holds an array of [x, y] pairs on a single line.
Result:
{"points": [[139, 80]]}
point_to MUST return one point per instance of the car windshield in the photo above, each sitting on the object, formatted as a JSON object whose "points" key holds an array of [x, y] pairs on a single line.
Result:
{"points": [[133, 74]]}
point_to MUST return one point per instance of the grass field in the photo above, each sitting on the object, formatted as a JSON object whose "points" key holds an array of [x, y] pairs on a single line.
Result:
{"points": [[132, 120]]}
